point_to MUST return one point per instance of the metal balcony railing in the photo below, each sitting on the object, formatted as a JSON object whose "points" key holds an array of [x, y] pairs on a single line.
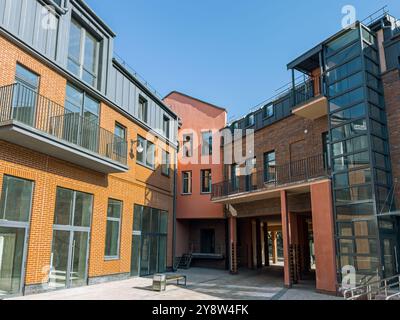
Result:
{"points": [[275, 176], [19, 103]]}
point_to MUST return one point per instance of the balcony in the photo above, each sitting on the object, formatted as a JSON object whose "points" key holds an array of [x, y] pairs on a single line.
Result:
{"points": [[35, 122], [261, 182], [310, 102]]}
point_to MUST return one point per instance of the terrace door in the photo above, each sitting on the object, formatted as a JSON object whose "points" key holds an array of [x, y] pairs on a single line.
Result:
{"points": [[25, 95]]}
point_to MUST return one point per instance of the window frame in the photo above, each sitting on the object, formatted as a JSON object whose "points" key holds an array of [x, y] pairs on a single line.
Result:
{"points": [[207, 151], [119, 220], [266, 111], [166, 166], [82, 48], [184, 142], [266, 165], [146, 144], [202, 177], [143, 105], [190, 183], [166, 126]]}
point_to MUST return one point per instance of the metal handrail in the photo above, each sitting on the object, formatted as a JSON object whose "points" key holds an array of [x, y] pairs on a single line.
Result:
{"points": [[21, 104], [372, 289], [254, 179], [392, 297]]}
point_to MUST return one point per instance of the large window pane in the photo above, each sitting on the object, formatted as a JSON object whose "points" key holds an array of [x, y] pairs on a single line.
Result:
{"points": [[343, 40], [363, 193], [112, 238], [355, 211], [114, 213], [16, 199], [352, 178], [344, 55], [83, 210]]}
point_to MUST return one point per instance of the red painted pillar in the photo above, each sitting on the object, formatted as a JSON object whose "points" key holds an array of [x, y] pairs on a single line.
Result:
{"points": [[233, 244], [324, 243], [286, 237]]}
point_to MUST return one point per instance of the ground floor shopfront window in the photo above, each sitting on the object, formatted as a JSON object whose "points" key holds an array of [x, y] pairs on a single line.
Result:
{"points": [[149, 241], [15, 210]]}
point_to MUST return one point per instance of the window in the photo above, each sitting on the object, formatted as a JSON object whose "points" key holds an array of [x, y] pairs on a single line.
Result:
{"points": [[147, 157], [24, 101], [119, 140], [142, 109], [83, 54], [187, 182], [205, 181], [114, 213], [73, 208], [207, 141], [250, 120], [269, 111], [165, 166], [207, 241], [81, 119], [166, 127], [269, 167], [16, 199], [187, 145]]}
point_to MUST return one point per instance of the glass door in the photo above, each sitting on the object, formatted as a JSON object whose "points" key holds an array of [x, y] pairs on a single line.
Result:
{"points": [[390, 257], [12, 244], [25, 95], [71, 233]]}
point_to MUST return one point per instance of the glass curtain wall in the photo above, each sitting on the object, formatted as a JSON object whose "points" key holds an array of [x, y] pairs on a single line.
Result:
{"points": [[358, 139]]}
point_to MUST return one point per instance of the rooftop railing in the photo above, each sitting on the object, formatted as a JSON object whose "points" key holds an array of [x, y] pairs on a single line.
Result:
{"points": [[274, 176], [19, 103], [303, 91]]}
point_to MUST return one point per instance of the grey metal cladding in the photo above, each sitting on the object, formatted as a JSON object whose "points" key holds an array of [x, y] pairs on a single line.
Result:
{"points": [[33, 23], [48, 32]]}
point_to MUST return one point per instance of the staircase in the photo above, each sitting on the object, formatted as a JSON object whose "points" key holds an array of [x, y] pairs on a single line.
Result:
{"points": [[183, 262], [386, 289]]}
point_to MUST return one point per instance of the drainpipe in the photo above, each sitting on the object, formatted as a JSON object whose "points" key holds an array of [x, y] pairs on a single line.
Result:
{"points": [[174, 211]]}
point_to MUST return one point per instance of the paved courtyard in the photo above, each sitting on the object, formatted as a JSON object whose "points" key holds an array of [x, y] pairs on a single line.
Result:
{"points": [[203, 284]]}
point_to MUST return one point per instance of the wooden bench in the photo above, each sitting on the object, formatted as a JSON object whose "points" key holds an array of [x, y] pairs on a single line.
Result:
{"points": [[177, 278]]}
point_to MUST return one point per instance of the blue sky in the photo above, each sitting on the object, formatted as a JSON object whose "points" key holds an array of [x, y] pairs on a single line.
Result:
{"points": [[230, 53]]}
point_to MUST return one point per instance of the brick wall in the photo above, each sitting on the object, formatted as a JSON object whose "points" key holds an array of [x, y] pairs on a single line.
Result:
{"points": [[391, 82], [138, 186]]}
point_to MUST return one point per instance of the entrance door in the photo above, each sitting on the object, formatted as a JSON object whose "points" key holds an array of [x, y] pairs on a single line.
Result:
{"points": [[149, 241], [390, 256], [69, 259], [71, 233]]}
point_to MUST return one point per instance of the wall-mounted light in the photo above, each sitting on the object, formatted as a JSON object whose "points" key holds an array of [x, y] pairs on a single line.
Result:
{"points": [[139, 147]]}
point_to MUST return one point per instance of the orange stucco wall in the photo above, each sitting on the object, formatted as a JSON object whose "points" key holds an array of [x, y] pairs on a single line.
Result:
{"points": [[199, 117]]}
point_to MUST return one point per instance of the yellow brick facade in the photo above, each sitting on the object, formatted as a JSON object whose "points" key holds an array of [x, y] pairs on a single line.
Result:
{"points": [[137, 186]]}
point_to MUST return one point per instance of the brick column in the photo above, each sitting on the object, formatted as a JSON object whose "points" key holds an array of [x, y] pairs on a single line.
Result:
{"points": [[286, 238], [274, 247]]}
